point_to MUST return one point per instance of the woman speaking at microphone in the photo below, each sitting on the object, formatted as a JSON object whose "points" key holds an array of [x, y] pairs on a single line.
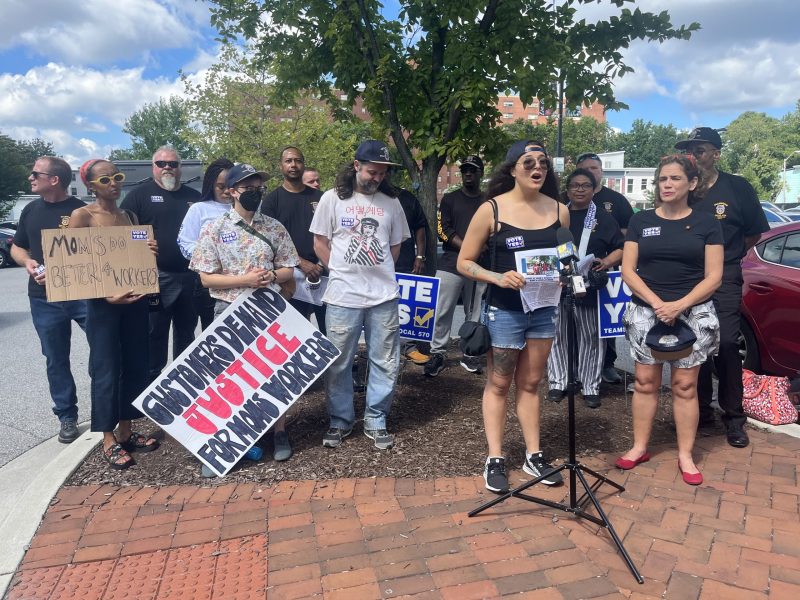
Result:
{"points": [[672, 262], [597, 233], [524, 190]]}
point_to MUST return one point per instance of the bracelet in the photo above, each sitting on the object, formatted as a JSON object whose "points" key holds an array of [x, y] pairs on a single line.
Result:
{"points": [[422, 258], [274, 276]]}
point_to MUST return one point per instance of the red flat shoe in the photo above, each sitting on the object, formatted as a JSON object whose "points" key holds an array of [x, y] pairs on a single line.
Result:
{"points": [[627, 465], [691, 478]]}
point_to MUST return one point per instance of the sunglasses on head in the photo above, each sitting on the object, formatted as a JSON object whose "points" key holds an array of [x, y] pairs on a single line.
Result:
{"points": [[587, 156], [162, 164], [35, 174], [106, 179]]}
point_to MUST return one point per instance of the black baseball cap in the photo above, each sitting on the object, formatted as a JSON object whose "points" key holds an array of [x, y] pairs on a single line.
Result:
{"points": [[522, 147], [375, 151], [670, 342], [241, 172], [698, 135], [473, 160]]}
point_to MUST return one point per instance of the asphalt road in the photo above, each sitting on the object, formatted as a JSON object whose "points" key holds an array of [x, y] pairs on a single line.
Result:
{"points": [[26, 418]]}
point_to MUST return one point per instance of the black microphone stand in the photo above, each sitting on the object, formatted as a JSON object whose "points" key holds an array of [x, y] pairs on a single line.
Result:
{"points": [[576, 470]]}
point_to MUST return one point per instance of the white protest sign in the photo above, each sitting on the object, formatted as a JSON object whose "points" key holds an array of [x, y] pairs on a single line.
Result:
{"points": [[238, 377]]}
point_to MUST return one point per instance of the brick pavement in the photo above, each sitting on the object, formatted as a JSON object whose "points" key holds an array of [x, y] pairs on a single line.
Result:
{"points": [[737, 536]]}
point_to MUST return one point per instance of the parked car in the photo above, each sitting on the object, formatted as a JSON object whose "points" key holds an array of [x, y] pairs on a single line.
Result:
{"points": [[793, 213], [8, 225], [770, 325], [775, 216], [6, 237]]}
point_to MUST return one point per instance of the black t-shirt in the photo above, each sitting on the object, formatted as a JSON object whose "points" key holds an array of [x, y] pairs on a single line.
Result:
{"points": [[734, 203], [415, 217], [604, 239], [36, 216], [455, 212], [615, 204], [507, 242], [164, 210], [294, 210], [672, 252]]}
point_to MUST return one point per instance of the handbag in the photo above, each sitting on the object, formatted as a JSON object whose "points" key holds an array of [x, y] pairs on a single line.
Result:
{"points": [[766, 399], [474, 335]]}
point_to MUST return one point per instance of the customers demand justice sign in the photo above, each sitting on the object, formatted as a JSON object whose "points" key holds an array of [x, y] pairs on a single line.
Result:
{"points": [[238, 377]]}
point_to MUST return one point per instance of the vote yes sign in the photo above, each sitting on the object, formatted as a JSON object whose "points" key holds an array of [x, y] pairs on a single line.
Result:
{"points": [[612, 300], [417, 306]]}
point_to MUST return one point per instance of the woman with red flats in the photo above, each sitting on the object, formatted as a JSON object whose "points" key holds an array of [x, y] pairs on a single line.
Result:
{"points": [[672, 262]]}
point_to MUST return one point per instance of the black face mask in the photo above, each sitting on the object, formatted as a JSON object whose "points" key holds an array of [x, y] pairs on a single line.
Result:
{"points": [[250, 200]]}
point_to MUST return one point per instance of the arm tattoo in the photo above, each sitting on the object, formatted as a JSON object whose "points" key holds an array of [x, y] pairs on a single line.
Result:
{"points": [[475, 271]]}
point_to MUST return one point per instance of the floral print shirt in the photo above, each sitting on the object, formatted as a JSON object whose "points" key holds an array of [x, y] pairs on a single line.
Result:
{"points": [[227, 248]]}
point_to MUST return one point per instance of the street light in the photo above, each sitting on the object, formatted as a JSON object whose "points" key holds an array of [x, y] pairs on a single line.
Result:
{"points": [[784, 173]]}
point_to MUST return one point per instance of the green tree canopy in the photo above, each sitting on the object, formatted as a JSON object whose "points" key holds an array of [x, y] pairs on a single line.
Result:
{"points": [[155, 125], [432, 75], [16, 161], [646, 143]]}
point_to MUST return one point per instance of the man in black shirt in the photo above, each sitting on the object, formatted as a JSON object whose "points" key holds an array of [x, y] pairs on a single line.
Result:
{"points": [[50, 178], [455, 212], [616, 205], [162, 202], [733, 201], [292, 204]]}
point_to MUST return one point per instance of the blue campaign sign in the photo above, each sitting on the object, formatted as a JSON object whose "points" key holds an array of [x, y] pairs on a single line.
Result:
{"points": [[611, 303], [418, 295]]}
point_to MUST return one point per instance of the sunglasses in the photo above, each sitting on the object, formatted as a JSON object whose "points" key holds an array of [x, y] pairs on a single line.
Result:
{"points": [[35, 174], [529, 164], [162, 164], [587, 156], [106, 179]]}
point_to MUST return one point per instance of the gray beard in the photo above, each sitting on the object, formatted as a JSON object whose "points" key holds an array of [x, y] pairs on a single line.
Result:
{"points": [[169, 182]]}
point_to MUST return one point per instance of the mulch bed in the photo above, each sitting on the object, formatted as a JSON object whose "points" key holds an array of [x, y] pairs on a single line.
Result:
{"points": [[439, 433]]}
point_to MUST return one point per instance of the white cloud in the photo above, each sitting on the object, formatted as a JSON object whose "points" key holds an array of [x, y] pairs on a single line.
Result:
{"points": [[100, 31]]}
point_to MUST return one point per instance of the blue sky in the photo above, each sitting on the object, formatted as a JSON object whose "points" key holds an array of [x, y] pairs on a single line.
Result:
{"points": [[72, 71]]}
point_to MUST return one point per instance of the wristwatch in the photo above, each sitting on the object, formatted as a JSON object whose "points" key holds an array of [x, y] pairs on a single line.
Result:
{"points": [[422, 258]]}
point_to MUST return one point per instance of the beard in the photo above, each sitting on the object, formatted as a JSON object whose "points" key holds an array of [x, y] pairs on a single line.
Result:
{"points": [[169, 182], [366, 186]]}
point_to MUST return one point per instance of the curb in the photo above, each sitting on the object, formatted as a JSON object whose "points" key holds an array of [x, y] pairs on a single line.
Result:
{"points": [[29, 483]]}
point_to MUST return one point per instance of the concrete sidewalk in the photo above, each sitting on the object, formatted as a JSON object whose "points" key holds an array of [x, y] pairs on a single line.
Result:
{"points": [[736, 536]]}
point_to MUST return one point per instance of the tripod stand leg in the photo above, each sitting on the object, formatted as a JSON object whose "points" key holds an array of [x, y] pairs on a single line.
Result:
{"points": [[610, 528], [603, 478]]}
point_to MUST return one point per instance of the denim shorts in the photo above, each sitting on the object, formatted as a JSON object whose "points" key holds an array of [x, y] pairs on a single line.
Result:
{"points": [[511, 328]]}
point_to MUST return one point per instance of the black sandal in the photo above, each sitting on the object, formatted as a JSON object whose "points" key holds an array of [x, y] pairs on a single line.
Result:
{"points": [[137, 442], [113, 454]]}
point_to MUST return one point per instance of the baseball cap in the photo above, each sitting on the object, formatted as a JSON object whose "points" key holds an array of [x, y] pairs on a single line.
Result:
{"points": [[521, 147], [473, 160], [375, 151], [700, 135], [240, 172], [670, 342]]}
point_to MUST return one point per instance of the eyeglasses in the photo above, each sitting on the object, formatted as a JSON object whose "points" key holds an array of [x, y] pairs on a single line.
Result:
{"points": [[576, 187], [35, 174], [529, 164], [250, 188], [162, 164], [106, 179], [697, 152], [587, 156]]}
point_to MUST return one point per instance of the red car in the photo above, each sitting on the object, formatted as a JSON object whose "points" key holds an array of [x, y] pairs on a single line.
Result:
{"points": [[770, 330]]}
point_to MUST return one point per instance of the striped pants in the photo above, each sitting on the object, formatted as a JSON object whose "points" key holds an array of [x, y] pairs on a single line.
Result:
{"points": [[590, 351]]}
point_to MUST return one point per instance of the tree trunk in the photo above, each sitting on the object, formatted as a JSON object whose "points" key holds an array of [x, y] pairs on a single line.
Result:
{"points": [[427, 196]]}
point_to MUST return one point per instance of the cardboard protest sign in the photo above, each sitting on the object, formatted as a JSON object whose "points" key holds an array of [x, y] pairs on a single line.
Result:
{"points": [[417, 306], [612, 300], [97, 262], [237, 378]]}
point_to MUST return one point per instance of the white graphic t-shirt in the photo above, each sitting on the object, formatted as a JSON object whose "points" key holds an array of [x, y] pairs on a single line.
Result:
{"points": [[362, 230]]}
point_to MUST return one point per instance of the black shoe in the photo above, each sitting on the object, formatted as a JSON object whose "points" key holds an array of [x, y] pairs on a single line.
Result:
{"points": [[494, 474], [535, 465], [435, 365], [555, 395], [472, 364], [69, 431], [592, 401], [611, 375], [737, 436], [334, 436]]}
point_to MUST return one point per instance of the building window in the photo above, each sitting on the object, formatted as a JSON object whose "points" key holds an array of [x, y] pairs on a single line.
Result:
{"points": [[508, 116], [533, 117], [74, 191], [644, 184], [508, 104], [342, 97], [629, 186], [73, 176], [439, 179]]}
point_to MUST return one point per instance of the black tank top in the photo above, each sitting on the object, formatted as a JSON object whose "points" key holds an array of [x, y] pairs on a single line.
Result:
{"points": [[507, 241]]}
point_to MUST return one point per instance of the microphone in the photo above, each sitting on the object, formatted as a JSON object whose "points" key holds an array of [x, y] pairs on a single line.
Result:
{"points": [[568, 256]]}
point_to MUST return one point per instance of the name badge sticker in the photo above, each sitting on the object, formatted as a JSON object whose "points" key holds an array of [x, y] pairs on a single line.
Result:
{"points": [[348, 221], [515, 242], [156, 198], [229, 237], [651, 231], [138, 234]]}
